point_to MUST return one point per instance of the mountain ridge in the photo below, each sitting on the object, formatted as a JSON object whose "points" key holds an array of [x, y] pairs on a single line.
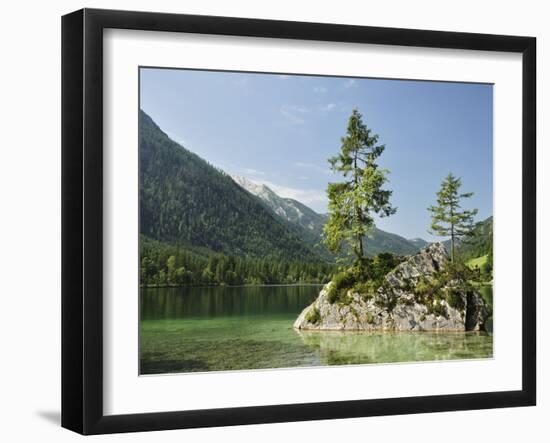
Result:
{"points": [[184, 200], [288, 208], [297, 213]]}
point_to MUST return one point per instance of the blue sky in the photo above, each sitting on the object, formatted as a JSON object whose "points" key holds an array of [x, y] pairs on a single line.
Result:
{"points": [[281, 129]]}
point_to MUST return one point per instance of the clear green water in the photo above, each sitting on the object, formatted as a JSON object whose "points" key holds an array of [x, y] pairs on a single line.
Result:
{"points": [[221, 328]]}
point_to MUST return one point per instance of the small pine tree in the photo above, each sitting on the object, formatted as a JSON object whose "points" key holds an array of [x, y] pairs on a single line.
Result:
{"points": [[353, 201], [448, 217]]}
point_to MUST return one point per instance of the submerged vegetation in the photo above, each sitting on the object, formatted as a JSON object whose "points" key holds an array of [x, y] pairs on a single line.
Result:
{"points": [[197, 329]]}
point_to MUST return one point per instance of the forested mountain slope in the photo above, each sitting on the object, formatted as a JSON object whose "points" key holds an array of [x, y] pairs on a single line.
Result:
{"points": [[185, 201]]}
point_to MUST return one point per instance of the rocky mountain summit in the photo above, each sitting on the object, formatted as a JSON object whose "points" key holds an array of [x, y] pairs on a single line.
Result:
{"points": [[310, 223], [417, 295], [288, 209]]}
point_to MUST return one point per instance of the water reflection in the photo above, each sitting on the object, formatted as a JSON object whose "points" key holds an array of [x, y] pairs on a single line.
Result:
{"points": [[216, 301], [236, 328], [373, 347]]}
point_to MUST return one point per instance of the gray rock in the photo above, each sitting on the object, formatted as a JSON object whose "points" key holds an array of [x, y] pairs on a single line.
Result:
{"points": [[395, 306]]}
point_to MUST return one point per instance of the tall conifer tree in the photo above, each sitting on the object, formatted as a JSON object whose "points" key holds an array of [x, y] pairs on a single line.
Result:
{"points": [[448, 217], [354, 201]]}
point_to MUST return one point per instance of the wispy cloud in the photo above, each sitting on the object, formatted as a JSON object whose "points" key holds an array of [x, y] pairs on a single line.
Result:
{"points": [[294, 114], [306, 196], [349, 83], [328, 107], [284, 77], [320, 89]]}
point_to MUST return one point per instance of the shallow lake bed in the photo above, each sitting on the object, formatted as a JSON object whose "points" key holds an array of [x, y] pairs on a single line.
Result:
{"points": [[194, 329]]}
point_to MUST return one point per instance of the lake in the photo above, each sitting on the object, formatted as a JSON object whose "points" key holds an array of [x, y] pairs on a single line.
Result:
{"points": [[235, 328]]}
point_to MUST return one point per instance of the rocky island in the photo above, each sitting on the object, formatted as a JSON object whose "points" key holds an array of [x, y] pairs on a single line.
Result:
{"points": [[422, 293]]}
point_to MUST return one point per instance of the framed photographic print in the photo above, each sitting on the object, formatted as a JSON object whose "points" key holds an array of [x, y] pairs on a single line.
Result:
{"points": [[269, 221]]}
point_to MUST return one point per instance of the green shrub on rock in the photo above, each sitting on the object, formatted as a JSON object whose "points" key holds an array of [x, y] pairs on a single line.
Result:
{"points": [[369, 318], [364, 278], [455, 299], [341, 284], [313, 316]]}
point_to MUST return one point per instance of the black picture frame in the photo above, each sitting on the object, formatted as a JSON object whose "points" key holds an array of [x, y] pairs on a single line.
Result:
{"points": [[82, 218]]}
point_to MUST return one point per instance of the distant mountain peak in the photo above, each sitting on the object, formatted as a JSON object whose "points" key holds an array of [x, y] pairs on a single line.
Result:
{"points": [[249, 185], [287, 208], [311, 223], [419, 242]]}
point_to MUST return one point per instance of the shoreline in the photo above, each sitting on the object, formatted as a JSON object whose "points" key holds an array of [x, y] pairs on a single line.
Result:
{"points": [[393, 331], [231, 286]]}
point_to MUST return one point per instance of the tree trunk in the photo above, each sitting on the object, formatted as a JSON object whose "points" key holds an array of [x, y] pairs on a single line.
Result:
{"points": [[359, 239], [452, 237], [452, 245]]}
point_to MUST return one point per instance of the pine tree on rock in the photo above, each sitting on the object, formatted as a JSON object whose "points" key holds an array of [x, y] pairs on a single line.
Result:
{"points": [[448, 217], [354, 201]]}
